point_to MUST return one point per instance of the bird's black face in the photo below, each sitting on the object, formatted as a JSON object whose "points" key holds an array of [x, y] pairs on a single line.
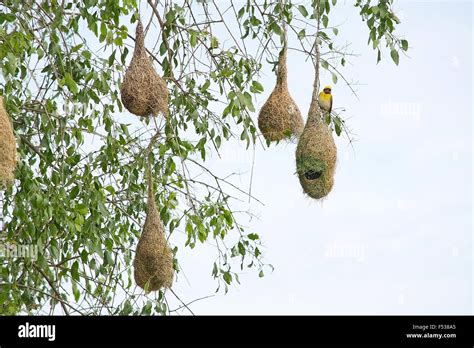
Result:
{"points": [[327, 90]]}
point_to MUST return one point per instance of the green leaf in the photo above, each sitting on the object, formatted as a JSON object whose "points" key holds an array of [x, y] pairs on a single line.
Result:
{"points": [[335, 31], [88, 54], [206, 85], [11, 63], [394, 55], [337, 126], [75, 271], [9, 17], [70, 83], [253, 236], [82, 209], [404, 45], [325, 20], [228, 218], [214, 43], [108, 258], [302, 34], [257, 252], [193, 38], [77, 48], [303, 10], [241, 248], [327, 119], [76, 292], [248, 102], [241, 12], [370, 22], [227, 277], [112, 58], [74, 192], [103, 32], [256, 87], [127, 308], [123, 56], [334, 78], [84, 256], [276, 29]]}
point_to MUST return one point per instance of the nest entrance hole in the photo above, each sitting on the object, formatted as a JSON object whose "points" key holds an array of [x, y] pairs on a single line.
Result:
{"points": [[313, 174]]}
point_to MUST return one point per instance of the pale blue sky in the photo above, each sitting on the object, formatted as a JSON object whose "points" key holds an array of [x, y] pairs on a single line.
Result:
{"points": [[395, 234]]}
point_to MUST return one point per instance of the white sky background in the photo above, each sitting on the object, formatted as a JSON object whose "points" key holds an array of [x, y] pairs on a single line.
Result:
{"points": [[395, 234]]}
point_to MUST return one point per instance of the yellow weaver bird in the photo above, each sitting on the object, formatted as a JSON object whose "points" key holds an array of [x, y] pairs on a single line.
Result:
{"points": [[325, 99]]}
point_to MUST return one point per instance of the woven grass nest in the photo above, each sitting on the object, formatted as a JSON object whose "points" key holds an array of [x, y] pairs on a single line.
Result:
{"points": [[153, 263], [316, 156], [143, 91], [8, 154], [280, 117]]}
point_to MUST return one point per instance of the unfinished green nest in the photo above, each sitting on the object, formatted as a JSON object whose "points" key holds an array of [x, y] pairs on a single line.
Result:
{"points": [[8, 154], [280, 117], [143, 91], [316, 156], [153, 264]]}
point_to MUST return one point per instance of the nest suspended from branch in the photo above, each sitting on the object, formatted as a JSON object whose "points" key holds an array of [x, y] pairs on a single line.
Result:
{"points": [[153, 263], [316, 153], [143, 91], [8, 153], [280, 117], [316, 156]]}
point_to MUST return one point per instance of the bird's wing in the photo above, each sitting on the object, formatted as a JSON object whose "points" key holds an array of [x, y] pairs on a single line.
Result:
{"points": [[330, 105]]}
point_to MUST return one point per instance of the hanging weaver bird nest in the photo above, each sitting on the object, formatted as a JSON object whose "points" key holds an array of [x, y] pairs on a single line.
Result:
{"points": [[153, 264], [8, 154], [316, 155], [280, 117], [143, 91]]}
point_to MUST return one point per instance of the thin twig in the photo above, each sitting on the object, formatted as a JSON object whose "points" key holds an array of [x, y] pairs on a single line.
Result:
{"points": [[184, 304]]}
